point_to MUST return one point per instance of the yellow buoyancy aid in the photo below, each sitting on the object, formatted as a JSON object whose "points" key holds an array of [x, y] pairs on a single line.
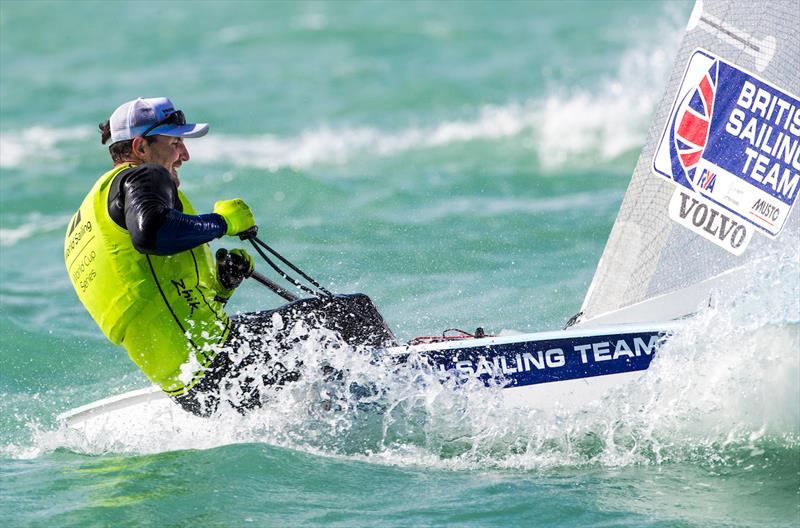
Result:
{"points": [[162, 309]]}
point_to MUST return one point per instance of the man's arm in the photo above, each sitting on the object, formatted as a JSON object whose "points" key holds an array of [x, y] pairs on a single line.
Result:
{"points": [[148, 204]]}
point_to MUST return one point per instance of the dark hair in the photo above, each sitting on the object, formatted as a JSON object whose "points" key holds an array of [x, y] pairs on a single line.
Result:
{"points": [[121, 150]]}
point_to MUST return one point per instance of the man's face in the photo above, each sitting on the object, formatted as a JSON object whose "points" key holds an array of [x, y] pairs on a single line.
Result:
{"points": [[169, 152]]}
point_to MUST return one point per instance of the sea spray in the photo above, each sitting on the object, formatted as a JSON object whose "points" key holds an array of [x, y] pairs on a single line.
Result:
{"points": [[721, 386]]}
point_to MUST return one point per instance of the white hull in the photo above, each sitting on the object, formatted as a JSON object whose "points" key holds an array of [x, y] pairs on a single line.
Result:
{"points": [[587, 368]]}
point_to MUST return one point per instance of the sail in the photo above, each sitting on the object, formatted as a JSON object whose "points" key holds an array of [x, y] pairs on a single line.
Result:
{"points": [[709, 192]]}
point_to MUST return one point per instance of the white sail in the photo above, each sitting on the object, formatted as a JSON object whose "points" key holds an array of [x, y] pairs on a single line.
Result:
{"points": [[751, 45]]}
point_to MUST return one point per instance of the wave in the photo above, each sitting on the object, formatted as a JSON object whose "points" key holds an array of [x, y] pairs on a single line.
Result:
{"points": [[562, 128], [40, 144], [32, 224], [326, 144], [565, 127]]}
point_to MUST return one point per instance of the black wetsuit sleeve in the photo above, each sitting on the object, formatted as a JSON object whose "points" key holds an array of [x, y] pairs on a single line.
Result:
{"points": [[144, 200]]}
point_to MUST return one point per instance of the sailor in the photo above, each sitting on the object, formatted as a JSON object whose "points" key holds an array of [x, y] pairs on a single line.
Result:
{"points": [[138, 257]]}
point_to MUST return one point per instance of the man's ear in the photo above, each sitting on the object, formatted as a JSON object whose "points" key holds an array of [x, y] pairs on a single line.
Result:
{"points": [[139, 146]]}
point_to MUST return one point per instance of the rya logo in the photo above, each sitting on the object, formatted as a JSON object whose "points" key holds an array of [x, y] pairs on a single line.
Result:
{"points": [[706, 181]]}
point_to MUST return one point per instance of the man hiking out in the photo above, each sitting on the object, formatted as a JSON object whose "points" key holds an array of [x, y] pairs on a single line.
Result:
{"points": [[137, 255]]}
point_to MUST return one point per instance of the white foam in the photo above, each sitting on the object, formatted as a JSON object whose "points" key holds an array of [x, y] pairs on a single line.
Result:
{"points": [[562, 131], [605, 124], [32, 224], [37, 144], [564, 127], [326, 144]]}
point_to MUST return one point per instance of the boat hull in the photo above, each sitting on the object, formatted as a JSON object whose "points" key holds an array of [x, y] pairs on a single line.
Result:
{"points": [[545, 371], [552, 370]]}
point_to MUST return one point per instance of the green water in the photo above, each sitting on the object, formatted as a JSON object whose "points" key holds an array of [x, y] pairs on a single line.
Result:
{"points": [[461, 163]]}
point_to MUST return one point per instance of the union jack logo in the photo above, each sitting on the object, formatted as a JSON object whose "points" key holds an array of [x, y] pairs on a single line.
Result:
{"points": [[692, 122]]}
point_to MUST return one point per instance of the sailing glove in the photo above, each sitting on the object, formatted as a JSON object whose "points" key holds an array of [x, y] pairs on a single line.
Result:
{"points": [[237, 215], [232, 268]]}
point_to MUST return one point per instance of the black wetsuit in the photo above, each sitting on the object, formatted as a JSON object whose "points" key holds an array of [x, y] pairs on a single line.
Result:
{"points": [[144, 200]]}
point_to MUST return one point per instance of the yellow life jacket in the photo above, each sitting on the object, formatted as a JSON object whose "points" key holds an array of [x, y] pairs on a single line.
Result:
{"points": [[162, 309]]}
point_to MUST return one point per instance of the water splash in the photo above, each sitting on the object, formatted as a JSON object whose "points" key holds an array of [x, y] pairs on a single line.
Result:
{"points": [[723, 390]]}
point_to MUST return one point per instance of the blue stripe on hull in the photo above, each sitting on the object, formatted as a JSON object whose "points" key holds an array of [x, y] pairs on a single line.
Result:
{"points": [[534, 362]]}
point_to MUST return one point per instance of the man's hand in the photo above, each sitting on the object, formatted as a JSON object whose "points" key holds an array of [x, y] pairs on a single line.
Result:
{"points": [[233, 267], [237, 215]]}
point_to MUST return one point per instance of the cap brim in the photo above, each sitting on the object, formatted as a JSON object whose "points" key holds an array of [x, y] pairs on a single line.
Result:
{"points": [[190, 130]]}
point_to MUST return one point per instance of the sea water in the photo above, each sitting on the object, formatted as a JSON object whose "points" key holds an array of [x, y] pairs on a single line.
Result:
{"points": [[459, 162]]}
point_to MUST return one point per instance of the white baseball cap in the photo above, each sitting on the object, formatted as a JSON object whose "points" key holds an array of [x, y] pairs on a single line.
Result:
{"points": [[150, 117]]}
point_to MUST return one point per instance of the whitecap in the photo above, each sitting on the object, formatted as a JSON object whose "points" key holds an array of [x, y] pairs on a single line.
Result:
{"points": [[32, 224], [38, 142], [564, 127]]}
